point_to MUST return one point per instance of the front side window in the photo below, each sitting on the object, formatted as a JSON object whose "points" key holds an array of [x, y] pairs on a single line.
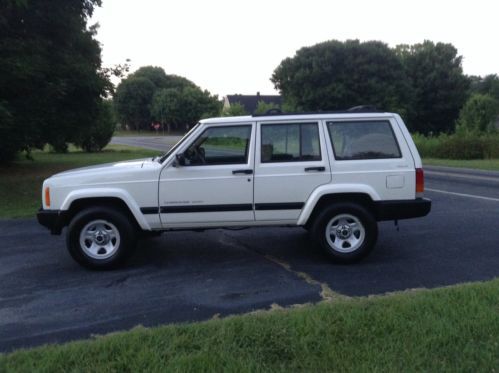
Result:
{"points": [[290, 142], [220, 145], [363, 140]]}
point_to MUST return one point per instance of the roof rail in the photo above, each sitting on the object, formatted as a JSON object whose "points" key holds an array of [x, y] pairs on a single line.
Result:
{"points": [[354, 109]]}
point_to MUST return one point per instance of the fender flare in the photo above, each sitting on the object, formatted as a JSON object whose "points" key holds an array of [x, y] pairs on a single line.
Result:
{"points": [[331, 189], [108, 193]]}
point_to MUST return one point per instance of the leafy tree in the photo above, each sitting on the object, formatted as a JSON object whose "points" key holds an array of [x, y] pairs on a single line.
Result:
{"points": [[478, 115], [263, 107], [337, 75], [132, 101], [99, 133], [488, 85], [160, 79], [170, 99], [10, 143], [234, 110], [49, 72], [183, 107], [438, 84]]}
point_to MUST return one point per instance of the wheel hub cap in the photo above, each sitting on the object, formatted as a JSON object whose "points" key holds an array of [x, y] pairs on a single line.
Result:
{"points": [[101, 238], [344, 231]]}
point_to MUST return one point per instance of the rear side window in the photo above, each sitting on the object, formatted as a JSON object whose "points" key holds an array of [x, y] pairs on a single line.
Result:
{"points": [[290, 142], [363, 140]]}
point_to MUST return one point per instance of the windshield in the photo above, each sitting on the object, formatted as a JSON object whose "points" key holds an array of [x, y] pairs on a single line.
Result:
{"points": [[165, 156]]}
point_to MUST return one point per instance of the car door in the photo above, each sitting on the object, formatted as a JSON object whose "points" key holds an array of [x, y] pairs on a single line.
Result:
{"points": [[291, 162], [215, 185]]}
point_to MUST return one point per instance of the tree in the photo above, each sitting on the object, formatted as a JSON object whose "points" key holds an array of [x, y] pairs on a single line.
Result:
{"points": [[100, 132], [183, 107], [170, 99], [10, 143], [478, 115], [438, 84], [49, 72], [132, 102], [235, 109], [488, 85], [160, 79], [337, 75], [262, 107]]}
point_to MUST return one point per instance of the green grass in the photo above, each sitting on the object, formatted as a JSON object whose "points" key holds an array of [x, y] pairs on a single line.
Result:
{"points": [[452, 329], [481, 164], [21, 181]]}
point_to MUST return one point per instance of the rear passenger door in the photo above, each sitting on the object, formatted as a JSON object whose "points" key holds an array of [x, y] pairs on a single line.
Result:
{"points": [[291, 161]]}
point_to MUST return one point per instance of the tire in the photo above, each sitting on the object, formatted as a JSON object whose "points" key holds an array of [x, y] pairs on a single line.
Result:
{"points": [[346, 231], [101, 238]]}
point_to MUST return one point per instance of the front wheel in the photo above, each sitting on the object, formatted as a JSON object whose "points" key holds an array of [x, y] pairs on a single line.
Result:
{"points": [[346, 231], [100, 238]]}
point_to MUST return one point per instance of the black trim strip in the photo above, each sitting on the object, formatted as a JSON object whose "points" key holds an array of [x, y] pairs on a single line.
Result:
{"points": [[149, 210], [279, 206], [206, 208], [222, 208]]}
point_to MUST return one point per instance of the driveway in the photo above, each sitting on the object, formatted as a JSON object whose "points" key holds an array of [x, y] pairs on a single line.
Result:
{"points": [[185, 276]]}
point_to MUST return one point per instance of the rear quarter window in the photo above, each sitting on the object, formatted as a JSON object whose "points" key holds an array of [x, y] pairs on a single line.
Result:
{"points": [[353, 140]]}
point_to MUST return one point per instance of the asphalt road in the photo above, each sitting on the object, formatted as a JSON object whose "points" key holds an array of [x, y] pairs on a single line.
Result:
{"points": [[160, 143], [184, 276]]}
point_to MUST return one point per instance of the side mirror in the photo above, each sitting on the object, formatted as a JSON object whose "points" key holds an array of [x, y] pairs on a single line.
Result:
{"points": [[179, 160]]}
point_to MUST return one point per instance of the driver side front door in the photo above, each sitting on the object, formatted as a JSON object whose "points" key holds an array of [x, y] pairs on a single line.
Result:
{"points": [[216, 183]]}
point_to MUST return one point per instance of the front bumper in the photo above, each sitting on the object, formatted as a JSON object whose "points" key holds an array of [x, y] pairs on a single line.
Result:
{"points": [[402, 209], [54, 220]]}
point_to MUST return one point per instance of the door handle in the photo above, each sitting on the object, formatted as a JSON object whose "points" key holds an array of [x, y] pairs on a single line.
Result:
{"points": [[320, 169], [242, 172]]}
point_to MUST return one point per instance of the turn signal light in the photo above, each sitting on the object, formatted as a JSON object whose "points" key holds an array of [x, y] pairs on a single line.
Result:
{"points": [[419, 182], [47, 196]]}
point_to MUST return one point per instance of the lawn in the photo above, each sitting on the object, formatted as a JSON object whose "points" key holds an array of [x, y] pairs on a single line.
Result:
{"points": [[453, 329], [21, 181], [481, 164]]}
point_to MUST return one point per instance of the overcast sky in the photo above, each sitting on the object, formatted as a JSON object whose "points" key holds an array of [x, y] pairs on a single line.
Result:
{"points": [[233, 46]]}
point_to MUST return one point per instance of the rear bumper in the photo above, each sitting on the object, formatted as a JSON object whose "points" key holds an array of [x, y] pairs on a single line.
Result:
{"points": [[54, 220], [404, 209]]}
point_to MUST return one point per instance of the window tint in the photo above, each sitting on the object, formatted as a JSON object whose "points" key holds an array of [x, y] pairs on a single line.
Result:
{"points": [[220, 145], [293, 142], [363, 140]]}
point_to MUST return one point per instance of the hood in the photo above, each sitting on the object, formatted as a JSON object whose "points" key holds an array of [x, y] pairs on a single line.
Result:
{"points": [[105, 168]]}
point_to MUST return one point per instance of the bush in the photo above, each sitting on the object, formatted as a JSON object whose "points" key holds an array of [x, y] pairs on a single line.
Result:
{"points": [[478, 115], [458, 146], [97, 136]]}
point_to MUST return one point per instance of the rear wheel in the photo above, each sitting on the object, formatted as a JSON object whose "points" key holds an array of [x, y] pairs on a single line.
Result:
{"points": [[346, 231], [101, 238]]}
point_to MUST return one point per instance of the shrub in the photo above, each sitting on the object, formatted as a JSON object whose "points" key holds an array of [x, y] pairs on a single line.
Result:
{"points": [[478, 115], [467, 145], [97, 136]]}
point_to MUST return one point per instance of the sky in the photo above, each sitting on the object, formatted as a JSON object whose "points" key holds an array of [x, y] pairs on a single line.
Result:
{"points": [[230, 47]]}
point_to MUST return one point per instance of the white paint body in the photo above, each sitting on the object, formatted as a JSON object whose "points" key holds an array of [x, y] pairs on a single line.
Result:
{"points": [[149, 183]]}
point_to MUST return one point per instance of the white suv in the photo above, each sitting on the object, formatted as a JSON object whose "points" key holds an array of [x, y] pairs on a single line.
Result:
{"points": [[334, 174]]}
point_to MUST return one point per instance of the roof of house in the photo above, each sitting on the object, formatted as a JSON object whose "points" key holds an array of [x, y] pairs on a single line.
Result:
{"points": [[250, 102]]}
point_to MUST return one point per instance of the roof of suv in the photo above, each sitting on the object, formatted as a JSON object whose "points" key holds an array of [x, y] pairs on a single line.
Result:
{"points": [[304, 116]]}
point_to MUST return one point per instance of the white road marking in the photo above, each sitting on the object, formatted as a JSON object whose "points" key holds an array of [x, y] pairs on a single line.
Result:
{"points": [[463, 194]]}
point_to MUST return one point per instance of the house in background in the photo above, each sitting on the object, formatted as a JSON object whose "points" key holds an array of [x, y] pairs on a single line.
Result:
{"points": [[250, 102]]}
